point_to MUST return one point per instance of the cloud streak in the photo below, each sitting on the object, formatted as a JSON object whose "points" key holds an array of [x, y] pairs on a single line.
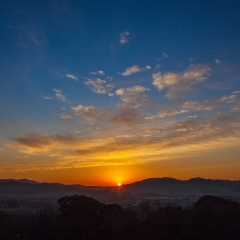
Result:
{"points": [[71, 76]]}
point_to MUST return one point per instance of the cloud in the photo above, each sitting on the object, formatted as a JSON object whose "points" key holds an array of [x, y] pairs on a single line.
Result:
{"points": [[165, 81], [89, 112], [57, 90], [133, 95], [71, 76], [99, 86], [169, 112], [196, 106], [59, 95], [47, 97], [65, 116], [40, 144], [124, 37], [217, 61], [134, 69], [212, 103], [100, 72], [173, 139], [31, 144], [166, 113], [179, 83], [196, 73], [165, 55], [126, 115]]}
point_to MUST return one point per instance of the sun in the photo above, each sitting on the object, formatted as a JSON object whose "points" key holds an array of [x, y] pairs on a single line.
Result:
{"points": [[119, 184]]}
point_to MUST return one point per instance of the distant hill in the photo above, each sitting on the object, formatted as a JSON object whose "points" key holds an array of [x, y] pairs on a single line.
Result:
{"points": [[33, 189], [159, 186], [169, 186], [19, 180]]}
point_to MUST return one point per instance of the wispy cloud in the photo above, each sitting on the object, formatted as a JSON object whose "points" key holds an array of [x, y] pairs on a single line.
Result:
{"points": [[133, 95], [59, 95], [192, 134], [124, 37], [196, 106], [99, 86], [169, 112], [134, 69], [179, 83], [100, 72], [165, 55], [71, 76], [47, 97]]}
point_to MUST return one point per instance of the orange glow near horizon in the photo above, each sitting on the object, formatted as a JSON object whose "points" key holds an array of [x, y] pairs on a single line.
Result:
{"points": [[183, 168]]}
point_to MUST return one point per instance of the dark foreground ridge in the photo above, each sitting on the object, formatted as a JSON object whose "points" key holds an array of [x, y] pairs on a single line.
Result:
{"points": [[81, 217]]}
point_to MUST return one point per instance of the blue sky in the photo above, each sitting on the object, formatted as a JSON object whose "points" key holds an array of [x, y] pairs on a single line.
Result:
{"points": [[83, 83]]}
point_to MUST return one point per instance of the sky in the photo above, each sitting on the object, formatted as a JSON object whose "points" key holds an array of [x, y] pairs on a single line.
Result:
{"points": [[97, 93]]}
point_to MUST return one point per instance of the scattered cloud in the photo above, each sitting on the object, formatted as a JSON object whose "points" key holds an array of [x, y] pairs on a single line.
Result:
{"points": [[217, 61], [166, 113], [212, 103], [169, 112], [59, 95], [99, 86], [179, 83], [57, 90], [192, 134], [89, 112], [196, 106], [47, 97], [134, 69], [65, 116], [127, 115], [71, 76], [124, 37], [133, 95], [100, 72]]}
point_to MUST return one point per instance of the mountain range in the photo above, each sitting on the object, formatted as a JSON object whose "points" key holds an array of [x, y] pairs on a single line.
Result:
{"points": [[160, 186]]}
